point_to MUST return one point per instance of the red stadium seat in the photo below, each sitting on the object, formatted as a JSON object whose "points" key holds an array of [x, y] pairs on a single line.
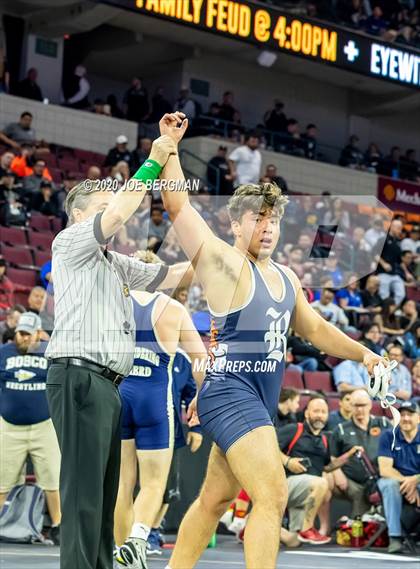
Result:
{"points": [[41, 240], [377, 409], [22, 297], [293, 378], [57, 175], [40, 222], [333, 404], [318, 380], [57, 224], [413, 293], [50, 160], [303, 401], [24, 277], [68, 163], [17, 256], [332, 361], [13, 236], [41, 257]]}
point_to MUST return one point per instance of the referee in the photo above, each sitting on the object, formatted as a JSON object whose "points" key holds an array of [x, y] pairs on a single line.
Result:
{"points": [[92, 349]]}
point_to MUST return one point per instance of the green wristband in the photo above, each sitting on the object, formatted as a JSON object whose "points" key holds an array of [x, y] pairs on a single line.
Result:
{"points": [[149, 171]]}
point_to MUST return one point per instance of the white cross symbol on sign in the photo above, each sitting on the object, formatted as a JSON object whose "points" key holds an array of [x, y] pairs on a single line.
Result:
{"points": [[351, 51]]}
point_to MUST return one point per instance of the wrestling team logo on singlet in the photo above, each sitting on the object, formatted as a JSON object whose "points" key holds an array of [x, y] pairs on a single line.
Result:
{"points": [[276, 337]]}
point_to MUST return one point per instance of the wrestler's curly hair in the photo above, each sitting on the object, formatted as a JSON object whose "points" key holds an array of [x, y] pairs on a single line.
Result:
{"points": [[259, 198]]}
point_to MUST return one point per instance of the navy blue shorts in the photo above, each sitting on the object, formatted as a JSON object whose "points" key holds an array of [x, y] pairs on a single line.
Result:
{"points": [[228, 410], [147, 413]]}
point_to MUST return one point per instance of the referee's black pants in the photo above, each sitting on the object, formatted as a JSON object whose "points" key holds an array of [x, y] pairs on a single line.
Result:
{"points": [[86, 411]]}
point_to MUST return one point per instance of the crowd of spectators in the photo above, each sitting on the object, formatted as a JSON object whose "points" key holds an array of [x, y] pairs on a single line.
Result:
{"points": [[276, 131], [392, 20], [381, 310]]}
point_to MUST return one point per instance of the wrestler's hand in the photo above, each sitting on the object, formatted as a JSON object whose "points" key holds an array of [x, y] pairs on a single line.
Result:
{"points": [[192, 415], [162, 148], [173, 125], [370, 360], [194, 441]]}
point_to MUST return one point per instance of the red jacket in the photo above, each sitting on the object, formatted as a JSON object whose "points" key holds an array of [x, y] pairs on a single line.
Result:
{"points": [[7, 291]]}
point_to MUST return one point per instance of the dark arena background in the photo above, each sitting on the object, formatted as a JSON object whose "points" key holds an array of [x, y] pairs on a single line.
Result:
{"points": [[321, 98]]}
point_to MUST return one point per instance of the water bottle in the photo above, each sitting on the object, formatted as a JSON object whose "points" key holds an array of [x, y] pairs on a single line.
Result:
{"points": [[357, 532], [213, 541]]}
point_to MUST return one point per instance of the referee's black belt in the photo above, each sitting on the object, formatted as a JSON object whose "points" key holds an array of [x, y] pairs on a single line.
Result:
{"points": [[113, 376]]}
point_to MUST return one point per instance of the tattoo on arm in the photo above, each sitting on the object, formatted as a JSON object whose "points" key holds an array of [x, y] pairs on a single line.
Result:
{"points": [[221, 266]]}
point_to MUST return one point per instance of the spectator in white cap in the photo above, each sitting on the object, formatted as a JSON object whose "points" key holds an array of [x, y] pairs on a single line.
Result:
{"points": [[26, 428], [119, 152], [76, 89]]}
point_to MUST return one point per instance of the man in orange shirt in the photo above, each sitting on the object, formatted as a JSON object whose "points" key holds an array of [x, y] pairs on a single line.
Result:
{"points": [[23, 165]]}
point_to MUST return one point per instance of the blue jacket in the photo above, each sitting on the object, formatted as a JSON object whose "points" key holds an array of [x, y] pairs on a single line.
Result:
{"points": [[183, 391]]}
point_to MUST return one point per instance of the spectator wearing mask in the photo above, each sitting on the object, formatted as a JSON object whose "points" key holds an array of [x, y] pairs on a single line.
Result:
{"points": [[119, 152], [28, 88], [399, 468], [185, 104], [8, 326], [218, 173], [16, 134], [287, 408], [400, 376], [271, 173], [32, 183], [245, 161], [350, 376], [351, 155], [310, 142], [389, 260], [227, 110], [136, 101], [370, 295], [76, 89], [275, 119], [44, 201], [343, 413], [373, 157], [25, 424], [363, 431]]}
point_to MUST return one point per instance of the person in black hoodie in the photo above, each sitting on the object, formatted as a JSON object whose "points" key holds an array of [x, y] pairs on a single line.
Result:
{"points": [[305, 356], [287, 407]]}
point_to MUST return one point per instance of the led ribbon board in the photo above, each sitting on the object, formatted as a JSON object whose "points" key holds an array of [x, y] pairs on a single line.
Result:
{"points": [[277, 31]]}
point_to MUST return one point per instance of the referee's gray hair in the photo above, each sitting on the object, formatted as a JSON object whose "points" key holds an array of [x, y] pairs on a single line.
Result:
{"points": [[79, 197]]}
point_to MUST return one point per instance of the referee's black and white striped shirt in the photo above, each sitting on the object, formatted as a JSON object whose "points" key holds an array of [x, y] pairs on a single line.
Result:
{"points": [[93, 307]]}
